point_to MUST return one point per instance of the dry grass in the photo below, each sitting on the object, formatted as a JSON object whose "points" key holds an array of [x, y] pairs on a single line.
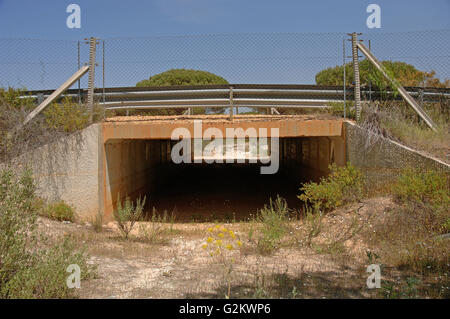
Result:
{"points": [[398, 122], [330, 264]]}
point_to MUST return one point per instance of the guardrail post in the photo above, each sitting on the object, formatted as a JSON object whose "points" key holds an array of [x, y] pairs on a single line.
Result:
{"points": [[356, 75]]}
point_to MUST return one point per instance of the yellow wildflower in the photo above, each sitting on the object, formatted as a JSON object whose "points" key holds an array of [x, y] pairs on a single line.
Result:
{"points": [[218, 242], [210, 230], [210, 240], [239, 243], [229, 247], [232, 234], [204, 246], [220, 235]]}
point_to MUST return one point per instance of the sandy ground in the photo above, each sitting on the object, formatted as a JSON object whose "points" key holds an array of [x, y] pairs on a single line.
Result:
{"points": [[175, 265]]}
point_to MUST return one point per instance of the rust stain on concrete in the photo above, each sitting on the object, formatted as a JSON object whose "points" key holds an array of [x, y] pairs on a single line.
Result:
{"points": [[161, 127]]}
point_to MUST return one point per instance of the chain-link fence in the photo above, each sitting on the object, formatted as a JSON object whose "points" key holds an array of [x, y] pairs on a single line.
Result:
{"points": [[288, 58]]}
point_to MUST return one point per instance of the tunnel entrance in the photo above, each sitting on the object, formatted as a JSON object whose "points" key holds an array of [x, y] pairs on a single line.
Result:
{"points": [[208, 192]]}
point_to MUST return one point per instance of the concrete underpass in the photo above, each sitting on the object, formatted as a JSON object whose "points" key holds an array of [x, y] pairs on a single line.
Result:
{"points": [[137, 162], [131, 156]]}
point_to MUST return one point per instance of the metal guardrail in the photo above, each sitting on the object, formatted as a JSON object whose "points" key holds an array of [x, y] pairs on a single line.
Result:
{"points": [[243, 95]]}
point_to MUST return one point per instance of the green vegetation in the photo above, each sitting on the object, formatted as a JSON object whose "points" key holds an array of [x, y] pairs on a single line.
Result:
{"points": [[66, 117], [29, 266], [410, 236], [11, 98], [426, 187], [182, 77], [159, 225], [396, 120], [59, 211], [343, 185], [128, 214], [56, 120], [406, 74], [274, 220]]}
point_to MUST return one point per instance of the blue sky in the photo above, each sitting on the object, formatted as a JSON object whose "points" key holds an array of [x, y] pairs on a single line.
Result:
{"points": [[245, 41], [112, 18]]}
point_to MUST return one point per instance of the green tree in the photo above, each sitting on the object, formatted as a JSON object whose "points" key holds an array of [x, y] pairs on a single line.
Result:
{"points": [[182, 77], [403, 72]]}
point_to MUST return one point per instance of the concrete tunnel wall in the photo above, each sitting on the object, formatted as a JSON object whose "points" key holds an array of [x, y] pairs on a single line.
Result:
{"points": [[131, 167]]}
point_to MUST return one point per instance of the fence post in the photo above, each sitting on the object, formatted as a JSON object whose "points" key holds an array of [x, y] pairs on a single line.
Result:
{"points": [[345, 81], [103, 70], [356, 75], [231, 103], [90, 97], [370, 82], [79, 67]]}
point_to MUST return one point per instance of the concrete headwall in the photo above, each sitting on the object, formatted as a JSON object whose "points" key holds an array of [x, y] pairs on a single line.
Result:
{"points": [[68, 170], [382, 159]]}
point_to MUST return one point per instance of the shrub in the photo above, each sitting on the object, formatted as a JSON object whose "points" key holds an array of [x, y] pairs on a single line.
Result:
{"points": [[405, 73], [274, 218], [45, 276], [408, 238], [60, 211], [12, 98], [153, 232], [427, 187], [97, 223], [66, 117], [29, 266], [313, 223], [128, 214], [343, 185], [182, 77], [337, 109]]}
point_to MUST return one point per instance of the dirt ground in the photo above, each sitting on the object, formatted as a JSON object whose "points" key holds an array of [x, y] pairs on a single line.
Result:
{"points": [[174, 265]]}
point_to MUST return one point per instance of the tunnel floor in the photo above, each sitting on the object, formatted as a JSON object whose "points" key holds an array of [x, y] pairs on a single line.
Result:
{"points": [[218, 192]]}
